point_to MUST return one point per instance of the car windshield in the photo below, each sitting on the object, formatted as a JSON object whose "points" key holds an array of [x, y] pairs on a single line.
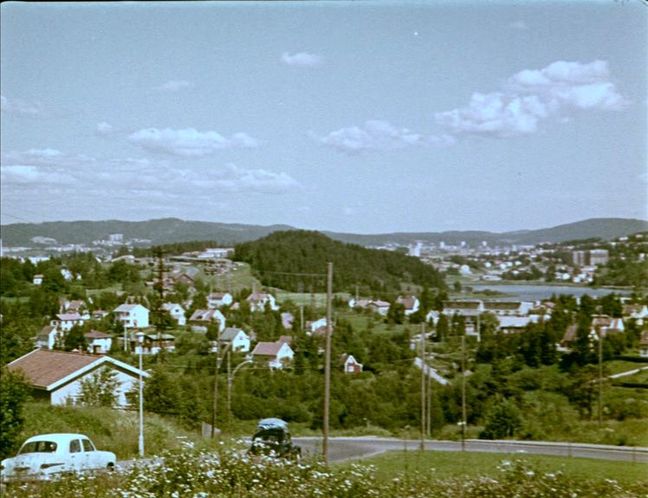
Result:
{"points": [[38, 447]]}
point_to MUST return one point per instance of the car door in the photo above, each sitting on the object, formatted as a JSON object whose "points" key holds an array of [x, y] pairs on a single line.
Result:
{"points": [[77, 456], [90, 454]]}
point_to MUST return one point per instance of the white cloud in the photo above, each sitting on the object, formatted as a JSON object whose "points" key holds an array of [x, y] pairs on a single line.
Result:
{"points": [[46, 157], [495, 114], [533, 95], [104, 129], [174, 86], [32, 175], [233, 179], [19, 107], [302, 59], [378, 135], [189, 142]]}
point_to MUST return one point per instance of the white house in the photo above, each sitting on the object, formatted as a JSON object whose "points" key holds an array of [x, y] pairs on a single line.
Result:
{"points": [[380, 307], [316, 325], [218, 299], [637, 311], [132, 315], [201, 318], [237, 339], [463, 308], [38, 279], [258, 301], [508, 308], [47, 338], [177, 312], [411, 304], [65, 321], [98, 342], [57, 375], [276, 354], [351, 365]]}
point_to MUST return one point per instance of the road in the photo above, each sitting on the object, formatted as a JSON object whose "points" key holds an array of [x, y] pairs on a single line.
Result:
{"points": [[353, 448]]}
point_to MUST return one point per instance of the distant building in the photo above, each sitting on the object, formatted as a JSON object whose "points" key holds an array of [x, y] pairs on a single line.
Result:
{"points": [[132, 315]]}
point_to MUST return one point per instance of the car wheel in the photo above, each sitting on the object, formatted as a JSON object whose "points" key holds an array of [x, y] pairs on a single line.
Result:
{"points": [[110, 467]]}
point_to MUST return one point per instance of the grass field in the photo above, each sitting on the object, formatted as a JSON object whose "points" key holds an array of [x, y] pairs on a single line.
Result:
{"points": [[442, 465]]}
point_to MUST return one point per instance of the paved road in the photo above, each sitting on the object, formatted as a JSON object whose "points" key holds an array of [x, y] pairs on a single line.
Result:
{"points": [[352, 448]]}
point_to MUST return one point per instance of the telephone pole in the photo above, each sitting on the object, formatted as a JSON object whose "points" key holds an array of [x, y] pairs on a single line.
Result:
{"points": [[423, 367], [463, 392], [327, 361]]}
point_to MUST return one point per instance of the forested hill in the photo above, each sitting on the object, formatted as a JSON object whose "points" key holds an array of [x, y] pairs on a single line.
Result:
{"points": [[277, 257]]}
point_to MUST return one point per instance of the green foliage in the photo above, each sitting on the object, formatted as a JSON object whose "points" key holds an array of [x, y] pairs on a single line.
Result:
{"points": [[502, 420], [13, 394], [275, 256], [99, 389], [75, 339]]}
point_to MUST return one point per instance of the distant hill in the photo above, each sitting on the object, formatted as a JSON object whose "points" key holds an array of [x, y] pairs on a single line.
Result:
{"points": [[291, 260], [161, 231], [170, 230]]}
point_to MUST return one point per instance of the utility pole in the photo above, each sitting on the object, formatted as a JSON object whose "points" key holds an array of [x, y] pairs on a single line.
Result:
{"points": [[423, 367], [463, 392], [428, 430], [327, 361], [215, 393], [229, 388], [600, 376], [301, 318]]}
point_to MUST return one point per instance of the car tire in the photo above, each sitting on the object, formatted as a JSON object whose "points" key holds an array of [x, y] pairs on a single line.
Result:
{"points": [[110, 467]]}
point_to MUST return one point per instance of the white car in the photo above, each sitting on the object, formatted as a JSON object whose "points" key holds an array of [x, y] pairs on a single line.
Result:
{"points": [[42, 456]]}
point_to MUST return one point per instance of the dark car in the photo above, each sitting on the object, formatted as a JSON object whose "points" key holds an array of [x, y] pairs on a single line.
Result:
{"points": [[273, 438]]}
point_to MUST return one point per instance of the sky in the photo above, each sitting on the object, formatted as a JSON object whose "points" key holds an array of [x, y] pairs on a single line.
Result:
{"points": [[364, 117]]}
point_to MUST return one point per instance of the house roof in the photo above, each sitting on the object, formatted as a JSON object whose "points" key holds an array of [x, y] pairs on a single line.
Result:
{"points": [[473, 305], [96, 334], [408, 301], [206, 315], [65, 317], [230, 333], [267, 348], [502, 305], [47, 369], [258, 297], [42, 368], [570, 334], [128, 307]]}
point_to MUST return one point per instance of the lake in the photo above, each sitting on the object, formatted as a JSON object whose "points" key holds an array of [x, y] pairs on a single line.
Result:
{"points": [[539, 292]]}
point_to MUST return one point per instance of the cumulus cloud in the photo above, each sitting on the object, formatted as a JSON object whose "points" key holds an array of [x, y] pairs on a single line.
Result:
{"points": [[378, 135], [233, 179], [302, 59], [189, 142], [19, 107], [104, 129], [533, 95], [174, 86]]}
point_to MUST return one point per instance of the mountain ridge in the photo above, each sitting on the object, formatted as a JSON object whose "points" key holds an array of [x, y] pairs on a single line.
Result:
{"points": [[170, 230]]}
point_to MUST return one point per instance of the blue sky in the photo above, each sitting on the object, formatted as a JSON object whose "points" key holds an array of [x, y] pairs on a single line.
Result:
{"points": [[355, 117]]}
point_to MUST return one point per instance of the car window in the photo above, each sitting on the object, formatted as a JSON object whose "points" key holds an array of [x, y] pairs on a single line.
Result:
{"points": [[87, 445], [75, 446], [38, 447]]}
